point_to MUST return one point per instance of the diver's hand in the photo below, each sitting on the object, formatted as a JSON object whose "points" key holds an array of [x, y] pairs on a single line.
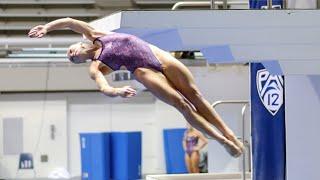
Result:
{"points": [[196, 149], [126, 91], [38, 31]]}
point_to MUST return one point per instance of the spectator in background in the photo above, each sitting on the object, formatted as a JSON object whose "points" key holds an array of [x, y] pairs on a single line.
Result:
{"points": [[193, 142]]}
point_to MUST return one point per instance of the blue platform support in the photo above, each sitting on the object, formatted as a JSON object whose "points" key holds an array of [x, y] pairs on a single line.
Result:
{"points": [[267, 124]]}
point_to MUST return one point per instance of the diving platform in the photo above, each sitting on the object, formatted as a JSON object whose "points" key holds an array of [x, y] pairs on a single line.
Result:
{"points": [[285, 41]]}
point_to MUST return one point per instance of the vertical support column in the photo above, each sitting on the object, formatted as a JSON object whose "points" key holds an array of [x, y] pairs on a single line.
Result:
{"points": [[267, 124]]}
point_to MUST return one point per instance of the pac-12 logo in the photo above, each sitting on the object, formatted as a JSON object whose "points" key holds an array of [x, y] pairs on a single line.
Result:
{"points": [[270, 89]]}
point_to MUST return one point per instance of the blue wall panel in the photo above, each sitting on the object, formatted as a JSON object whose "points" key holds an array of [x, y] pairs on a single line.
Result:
{"points": [[174, 153]]}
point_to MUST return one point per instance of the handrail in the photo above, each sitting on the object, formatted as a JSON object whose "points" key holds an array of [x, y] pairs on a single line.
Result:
{"points": [[188, 4], [15, 2], [225, 3], [48, 41], [211, 3], [229, 102], [245, 104], [243, 110]]}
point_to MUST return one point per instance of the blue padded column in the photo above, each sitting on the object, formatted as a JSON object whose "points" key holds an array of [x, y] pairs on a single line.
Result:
{"points": [[126, 155], [268, 124], [174, 152], [95, 156]]}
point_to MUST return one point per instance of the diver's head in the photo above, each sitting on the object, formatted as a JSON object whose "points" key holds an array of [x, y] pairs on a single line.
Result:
{"points": [[79, 52]]}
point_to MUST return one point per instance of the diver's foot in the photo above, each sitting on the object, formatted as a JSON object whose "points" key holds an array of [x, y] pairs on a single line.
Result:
{"points": [[231, 148], [230, 136], [237, 142]]}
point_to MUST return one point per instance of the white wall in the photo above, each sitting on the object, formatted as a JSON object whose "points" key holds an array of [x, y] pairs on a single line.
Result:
{"points": [[85, 114], [92, 112], [302, 105], [35, 111], [302, 4]]}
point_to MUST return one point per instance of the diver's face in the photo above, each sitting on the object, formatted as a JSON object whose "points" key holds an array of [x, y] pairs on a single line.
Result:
{"points": [[77, 53]]}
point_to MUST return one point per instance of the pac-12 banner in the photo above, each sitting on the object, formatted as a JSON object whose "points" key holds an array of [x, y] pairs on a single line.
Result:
{"points": [[267, 124]]}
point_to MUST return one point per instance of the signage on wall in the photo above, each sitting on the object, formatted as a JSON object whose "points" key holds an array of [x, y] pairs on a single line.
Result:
{"points": [[270, 90]]}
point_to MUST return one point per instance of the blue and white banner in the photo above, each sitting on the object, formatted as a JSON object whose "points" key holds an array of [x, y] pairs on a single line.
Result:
{"points": [[262, 4], [268, 124]]}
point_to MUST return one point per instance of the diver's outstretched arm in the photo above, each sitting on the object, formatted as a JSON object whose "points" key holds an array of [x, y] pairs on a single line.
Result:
{"points": [[77, 26], [97, 74]]}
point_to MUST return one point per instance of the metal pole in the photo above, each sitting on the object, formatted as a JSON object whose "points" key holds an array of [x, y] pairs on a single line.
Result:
{"points": [[243, 141], [225, 4], [212, 6], [284, 4], [269, 4], [229, 102]]}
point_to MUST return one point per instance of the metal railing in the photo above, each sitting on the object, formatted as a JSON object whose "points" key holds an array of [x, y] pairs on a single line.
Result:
{"points": [[33, 52], [212, 4], [246, 143], [45, 2]]}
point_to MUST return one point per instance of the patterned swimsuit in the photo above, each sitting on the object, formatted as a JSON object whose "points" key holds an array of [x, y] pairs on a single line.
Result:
{"points": [[119, 49]]}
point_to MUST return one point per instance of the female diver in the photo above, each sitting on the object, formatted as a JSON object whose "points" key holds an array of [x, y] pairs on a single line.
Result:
{"points": [[166, 77], [193, 142]]}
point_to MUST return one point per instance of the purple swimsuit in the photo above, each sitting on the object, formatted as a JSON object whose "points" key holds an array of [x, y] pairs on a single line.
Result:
{"points": [[119, 49], [191, 142]]}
